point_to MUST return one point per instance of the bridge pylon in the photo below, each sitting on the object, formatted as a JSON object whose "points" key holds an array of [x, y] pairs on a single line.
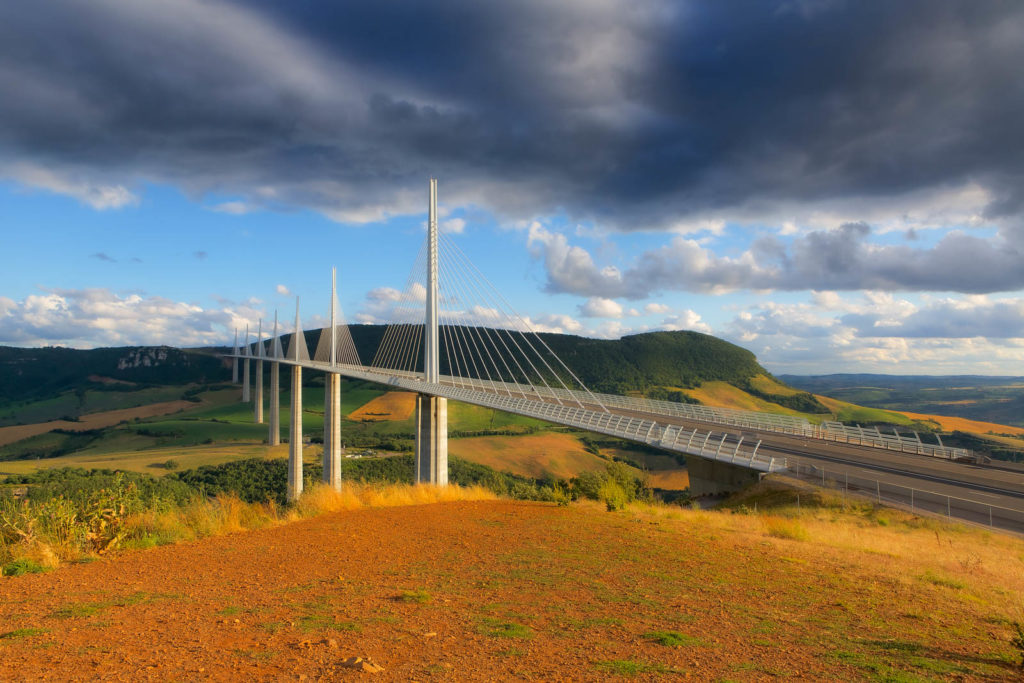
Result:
{"points": [[332, 400], [431, 411], [257, 405], [245, 368], [274, 435], [296, 351], [234, 361]]}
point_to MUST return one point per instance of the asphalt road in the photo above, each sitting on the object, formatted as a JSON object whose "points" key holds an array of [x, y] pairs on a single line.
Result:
{"points": [[965, 490]]}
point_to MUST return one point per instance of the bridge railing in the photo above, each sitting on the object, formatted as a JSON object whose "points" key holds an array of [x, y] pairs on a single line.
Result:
{"points": [[719, 446], [835, 431], [784, 424], [914, 499], [788, 424]]}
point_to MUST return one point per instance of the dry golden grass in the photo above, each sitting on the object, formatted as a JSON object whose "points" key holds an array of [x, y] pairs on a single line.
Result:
{"points": [[952, 560], [225, 514], [353, 496], [533, 455], [669, 480], [394, 405], [964, 425], [92, 420], [187, 457], [772, 386], [725, 395]]}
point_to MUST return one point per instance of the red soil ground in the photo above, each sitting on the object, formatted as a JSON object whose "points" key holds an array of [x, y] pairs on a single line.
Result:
{"points": [[483, 591]]}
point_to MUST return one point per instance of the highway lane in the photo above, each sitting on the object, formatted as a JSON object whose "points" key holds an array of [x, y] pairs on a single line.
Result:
{"points": [[965, 480]]}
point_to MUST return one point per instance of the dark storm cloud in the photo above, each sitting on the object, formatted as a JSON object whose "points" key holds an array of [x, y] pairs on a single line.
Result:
{"points": [[624, 112]]}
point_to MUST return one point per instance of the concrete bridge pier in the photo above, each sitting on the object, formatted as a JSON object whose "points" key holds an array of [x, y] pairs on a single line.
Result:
{"points": [[431, 440], [257, 408], [295, 438], [332, 431], [274, 437], [713, 477], [246, 397], [234, 361]]}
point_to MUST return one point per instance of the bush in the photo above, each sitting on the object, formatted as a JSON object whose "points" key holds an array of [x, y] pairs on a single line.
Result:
{"points": [[614, 497]]}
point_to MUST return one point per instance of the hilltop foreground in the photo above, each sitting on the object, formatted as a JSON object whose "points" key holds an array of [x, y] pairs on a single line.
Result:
{"points": [[502, 589]]}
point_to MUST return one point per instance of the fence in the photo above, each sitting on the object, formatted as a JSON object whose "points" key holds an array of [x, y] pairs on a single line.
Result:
{"points": [[914, 499]]}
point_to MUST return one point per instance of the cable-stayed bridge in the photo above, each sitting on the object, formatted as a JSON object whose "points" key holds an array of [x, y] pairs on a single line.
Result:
{"points": [[452, 335]]}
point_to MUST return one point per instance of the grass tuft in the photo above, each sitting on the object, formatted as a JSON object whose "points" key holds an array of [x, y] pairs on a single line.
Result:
{"points": [[779, 527], [22, 566], [937, 579], [417, 596], [671, 638], [631, 667], [496, 628], [23, 633]]}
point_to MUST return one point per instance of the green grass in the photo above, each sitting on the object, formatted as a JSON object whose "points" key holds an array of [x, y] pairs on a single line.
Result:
{"points": [[69, 404], [496, 628], [671, 638], [321, 622], [937, 579], [22, 566], [23, 633], [78, 611], [417, 596], [631, 667]]}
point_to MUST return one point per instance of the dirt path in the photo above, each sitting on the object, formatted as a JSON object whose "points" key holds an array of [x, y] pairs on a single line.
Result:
{"points": [[92, 420], [483, 591]]}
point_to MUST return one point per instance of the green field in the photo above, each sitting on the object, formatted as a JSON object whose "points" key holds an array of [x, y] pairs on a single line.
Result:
{"points": [[71, 404]]}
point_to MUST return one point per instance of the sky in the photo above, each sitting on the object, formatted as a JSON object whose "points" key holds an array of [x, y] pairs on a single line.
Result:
{"points": [[836, 186]]}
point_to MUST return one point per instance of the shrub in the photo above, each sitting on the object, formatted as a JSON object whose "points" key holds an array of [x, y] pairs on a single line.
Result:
{"points": [[613, 496], [785, 528]]}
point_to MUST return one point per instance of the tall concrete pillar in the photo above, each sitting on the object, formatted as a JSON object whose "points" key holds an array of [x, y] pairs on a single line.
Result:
{"points": [[332, 431], [431, 440], [245, 381], [257, 408], [431, 411], [295, 438], [713, 477], [234, 361], [274, 437]]}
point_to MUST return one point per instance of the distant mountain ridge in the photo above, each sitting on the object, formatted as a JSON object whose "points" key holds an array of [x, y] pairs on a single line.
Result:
{"points": [[632, 363], [40, 372], [998, 399]]}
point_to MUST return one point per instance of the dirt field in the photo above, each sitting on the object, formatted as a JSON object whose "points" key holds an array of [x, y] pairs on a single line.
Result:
{"points": [[394, 405], [502, 590], [92, 420], [534, 455]]}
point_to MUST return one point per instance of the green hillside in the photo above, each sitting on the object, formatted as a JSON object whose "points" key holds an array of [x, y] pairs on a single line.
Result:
{"points": [[633, 363], [28, 374]]}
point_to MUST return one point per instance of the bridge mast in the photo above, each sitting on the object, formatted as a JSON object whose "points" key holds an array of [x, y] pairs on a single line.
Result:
{"points": [[234, 361], [245, 368], [431, 411], [274, 436], [332, 401], [257, 408], [297, 353]]}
